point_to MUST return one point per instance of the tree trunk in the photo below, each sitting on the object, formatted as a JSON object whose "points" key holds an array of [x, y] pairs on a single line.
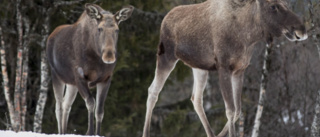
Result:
{"points": [[17, 92], [5, 79], [43, 92], [25, 72], [241, 125], [257, 121], [23, 88], [315, 128]]}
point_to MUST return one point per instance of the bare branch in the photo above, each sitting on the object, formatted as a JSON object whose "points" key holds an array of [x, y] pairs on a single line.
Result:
{"points": [[63, 3]]}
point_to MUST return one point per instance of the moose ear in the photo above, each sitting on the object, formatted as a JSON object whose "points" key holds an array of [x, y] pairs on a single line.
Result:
{"points": [[124, 14], [93, 11]]}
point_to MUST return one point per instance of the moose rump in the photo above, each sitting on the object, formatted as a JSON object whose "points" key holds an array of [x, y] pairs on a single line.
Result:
{"points": [[83, 55]]}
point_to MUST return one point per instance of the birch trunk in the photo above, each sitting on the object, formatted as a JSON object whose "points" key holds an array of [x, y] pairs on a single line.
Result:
{"points": [[5, 80], [17, 92], [241, 125], [315, 128], [43, 92], [23, 88], [257, 121], [25, 72]]}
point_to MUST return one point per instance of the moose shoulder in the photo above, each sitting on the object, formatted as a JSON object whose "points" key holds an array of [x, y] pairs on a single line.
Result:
{"points": [[218, 35], [82, 55]]}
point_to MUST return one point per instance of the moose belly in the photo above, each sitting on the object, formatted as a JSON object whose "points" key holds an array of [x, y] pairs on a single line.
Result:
{"points": [[200, 57]]}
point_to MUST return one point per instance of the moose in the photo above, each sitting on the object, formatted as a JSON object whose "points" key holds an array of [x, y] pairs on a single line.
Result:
{"points": [[218, 35], [83, 55]]}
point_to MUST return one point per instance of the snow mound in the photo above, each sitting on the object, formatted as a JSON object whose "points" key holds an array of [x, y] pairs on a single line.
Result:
{"points": [[31, 134]]}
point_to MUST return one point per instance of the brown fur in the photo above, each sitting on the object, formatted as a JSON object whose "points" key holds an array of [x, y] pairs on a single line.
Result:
{"points": [[219, 35]]}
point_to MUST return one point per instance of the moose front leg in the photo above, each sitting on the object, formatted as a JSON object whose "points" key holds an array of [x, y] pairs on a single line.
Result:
{"points": [[102, 91], [68, 99], [228, 97], [90, 102], [58, 88]]}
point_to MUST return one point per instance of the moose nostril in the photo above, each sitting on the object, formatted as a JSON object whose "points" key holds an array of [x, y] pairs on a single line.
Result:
{"points": [[297, 36], [109, 54]]}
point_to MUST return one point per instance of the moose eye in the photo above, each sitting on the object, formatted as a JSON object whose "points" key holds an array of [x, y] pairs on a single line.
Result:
{"points": [[100, 30], [274, 7]]}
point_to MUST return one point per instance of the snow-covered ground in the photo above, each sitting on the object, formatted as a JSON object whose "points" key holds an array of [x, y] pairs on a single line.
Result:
{"points": [[31, 134]]}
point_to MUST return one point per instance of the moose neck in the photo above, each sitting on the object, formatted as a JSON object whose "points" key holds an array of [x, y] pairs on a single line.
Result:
{"points": [[242, 19]]}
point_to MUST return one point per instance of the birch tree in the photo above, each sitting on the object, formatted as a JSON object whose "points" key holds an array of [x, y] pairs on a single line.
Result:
{"points": [[17, 91], [25, 68], [5, 79], [263, 85], [43, 92], [18, 107], [315, 128]]}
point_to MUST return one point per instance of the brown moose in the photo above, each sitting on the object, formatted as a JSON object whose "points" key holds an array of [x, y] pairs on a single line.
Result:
{"points": [[82, 55], [218, 35]]}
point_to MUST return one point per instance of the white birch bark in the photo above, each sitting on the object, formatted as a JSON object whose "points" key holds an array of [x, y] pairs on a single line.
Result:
{"points": [[25, 69], [44, 85], [257, 121], [315, 127], [17, 92], [37, 123], [5, 80]]}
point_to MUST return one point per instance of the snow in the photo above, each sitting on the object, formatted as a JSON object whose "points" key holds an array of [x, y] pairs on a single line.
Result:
{"points": [[31, 134]]}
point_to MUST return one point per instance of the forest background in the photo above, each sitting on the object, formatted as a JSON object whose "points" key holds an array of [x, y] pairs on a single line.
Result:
{"points": [[293, 79]]}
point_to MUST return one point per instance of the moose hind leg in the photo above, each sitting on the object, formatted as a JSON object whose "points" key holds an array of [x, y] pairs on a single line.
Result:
{"points": [[163, 70], [237, 82], [228, 97], [200, 81], [58, 89], [69, 97]]}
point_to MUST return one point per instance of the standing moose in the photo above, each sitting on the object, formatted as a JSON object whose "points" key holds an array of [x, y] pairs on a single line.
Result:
{"points": [[218, 35], [83, 55]]}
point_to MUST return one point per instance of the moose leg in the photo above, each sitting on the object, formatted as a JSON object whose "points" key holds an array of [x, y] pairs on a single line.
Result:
{"points": [[90, 102], [58, 88], [237, 82], [164, 68], [228, 97], [102, 91], [200, 81], [69, 97]]}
